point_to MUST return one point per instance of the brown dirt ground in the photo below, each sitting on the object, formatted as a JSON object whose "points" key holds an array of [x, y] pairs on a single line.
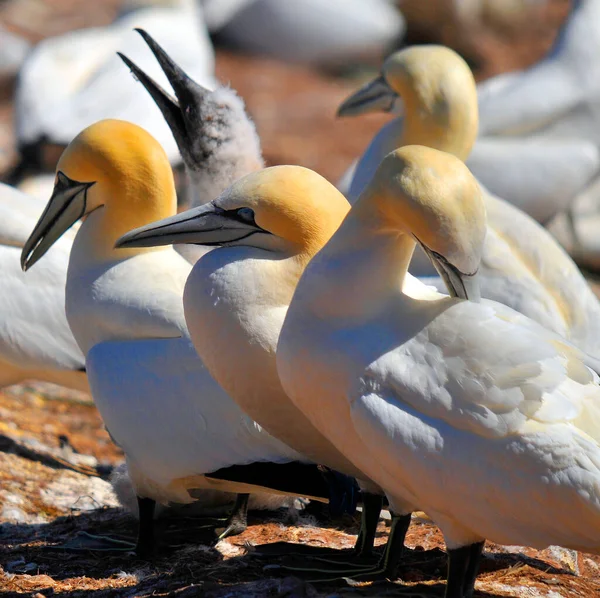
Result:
{"points": [[50, 488]]}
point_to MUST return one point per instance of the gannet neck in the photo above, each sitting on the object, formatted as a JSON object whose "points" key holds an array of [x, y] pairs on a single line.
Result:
{"points": [[235, 302], [225, 146], [358, 272], [417, 195]]}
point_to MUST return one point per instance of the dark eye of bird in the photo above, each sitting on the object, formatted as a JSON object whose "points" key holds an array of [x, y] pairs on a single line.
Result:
{"points": [[246, 214]]}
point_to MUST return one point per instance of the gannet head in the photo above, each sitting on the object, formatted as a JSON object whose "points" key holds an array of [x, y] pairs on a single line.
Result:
{"points": [[111, 164], [438, 92], [205, 124], [432, 197], [283, 209]]}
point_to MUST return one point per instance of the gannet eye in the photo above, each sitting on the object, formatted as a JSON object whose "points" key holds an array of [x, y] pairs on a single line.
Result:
{"points": [[246, 214]]}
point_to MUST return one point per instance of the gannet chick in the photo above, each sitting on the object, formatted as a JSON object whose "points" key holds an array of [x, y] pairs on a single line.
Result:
{"points": [[179, 430], [270, 223], [35, 339], [522, 264], [215, 136], [466, 409]]}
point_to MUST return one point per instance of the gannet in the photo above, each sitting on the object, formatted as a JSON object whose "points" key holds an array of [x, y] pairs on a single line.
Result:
{"points": [[35, 339], [71, 81], [216, 138], [465, 409], [522, 264], [307, 31], [270, 223], [158, 401], [554, 104], [219, 144]]}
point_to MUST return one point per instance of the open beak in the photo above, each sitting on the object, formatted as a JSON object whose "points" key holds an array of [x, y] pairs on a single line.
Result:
{"points": [[376, 96], [66, 206], [204, 225], [459, 284], [178, 111]]}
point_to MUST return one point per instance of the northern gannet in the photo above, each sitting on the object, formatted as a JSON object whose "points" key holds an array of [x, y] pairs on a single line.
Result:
{"points": [[160, 404], [215, 136], [35, 338], [218, 144], [71, 81], [522, 264], [465, 409], [553, 105], [271, 223]]}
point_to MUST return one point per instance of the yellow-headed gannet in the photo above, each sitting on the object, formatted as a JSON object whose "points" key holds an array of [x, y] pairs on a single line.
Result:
{"points": [[270, 223], [125, 308], [522, 264], [466, 409]]}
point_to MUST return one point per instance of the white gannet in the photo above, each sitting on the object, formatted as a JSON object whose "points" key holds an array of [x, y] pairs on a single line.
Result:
{"points": [[271, 223], [467, 410], [554, 104], [308, 31], [35, 338], [71, 81], [218, 143], [539, 145], [160, 404], [522, 264]]}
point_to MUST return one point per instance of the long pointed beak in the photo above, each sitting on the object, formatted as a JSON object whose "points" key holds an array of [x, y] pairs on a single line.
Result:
{"points": [[459, 284], [204, 225], [376, 96], [179, 112], [66, 206]]}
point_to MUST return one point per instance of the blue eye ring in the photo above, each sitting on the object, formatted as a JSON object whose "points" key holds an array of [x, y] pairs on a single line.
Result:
{"points": [[246, 214]]}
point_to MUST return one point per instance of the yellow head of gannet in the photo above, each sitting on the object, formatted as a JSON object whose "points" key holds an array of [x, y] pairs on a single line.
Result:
{"points": [[439, 95], [432, 198], [289, 210], [113, 165]]}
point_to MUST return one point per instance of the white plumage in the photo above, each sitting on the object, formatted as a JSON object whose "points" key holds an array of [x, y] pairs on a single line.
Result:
{"points": [[35, 339], [125, 308], [69, 82], [539, 141], [469, 411], [522, 265]]}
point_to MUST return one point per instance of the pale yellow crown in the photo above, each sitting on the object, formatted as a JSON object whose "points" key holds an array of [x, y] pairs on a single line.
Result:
{"points": [[292, 202], [432, 196], [131, 171], [440, 97]]}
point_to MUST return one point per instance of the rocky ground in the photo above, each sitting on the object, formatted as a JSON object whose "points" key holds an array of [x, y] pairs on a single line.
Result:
{"points": [[55, 454]]}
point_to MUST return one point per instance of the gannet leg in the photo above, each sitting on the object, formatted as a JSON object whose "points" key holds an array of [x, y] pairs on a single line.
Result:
{"points": [[463, 565], [372, 505], [146, 543], [315, 558], [362, 553], [385, 569], [472, 569], [237, 522]]}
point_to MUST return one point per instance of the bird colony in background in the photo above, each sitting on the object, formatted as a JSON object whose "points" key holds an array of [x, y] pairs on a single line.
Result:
{"points": [[415, 338]]}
